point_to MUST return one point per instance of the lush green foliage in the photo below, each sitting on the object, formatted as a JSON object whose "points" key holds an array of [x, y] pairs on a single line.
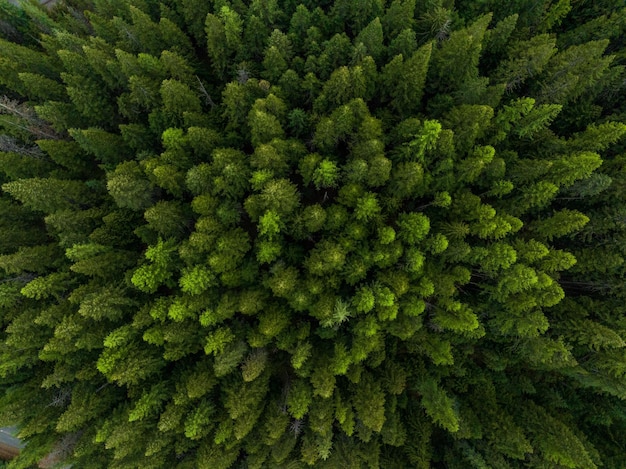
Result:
{"points": [[349, 234]]}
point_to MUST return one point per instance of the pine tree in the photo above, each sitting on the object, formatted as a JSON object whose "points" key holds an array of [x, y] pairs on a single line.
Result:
{"points": [[406, 80], [49, 195]]}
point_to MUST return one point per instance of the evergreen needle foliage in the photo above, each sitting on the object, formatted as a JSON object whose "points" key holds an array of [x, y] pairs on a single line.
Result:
{"points": [[341, 234]]}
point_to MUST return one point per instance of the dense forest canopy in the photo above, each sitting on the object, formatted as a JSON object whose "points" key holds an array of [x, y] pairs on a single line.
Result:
{"points": [[342, 234]]}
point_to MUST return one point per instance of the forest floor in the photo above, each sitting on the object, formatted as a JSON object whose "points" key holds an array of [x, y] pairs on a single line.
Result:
{"points": [[9, 445], [48, 3]]}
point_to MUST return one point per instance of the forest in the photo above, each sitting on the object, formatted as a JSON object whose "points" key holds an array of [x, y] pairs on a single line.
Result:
{"points": [[342, 234]]}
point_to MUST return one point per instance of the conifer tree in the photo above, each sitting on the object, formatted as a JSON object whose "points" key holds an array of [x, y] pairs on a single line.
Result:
{"points": [[331, 234]]}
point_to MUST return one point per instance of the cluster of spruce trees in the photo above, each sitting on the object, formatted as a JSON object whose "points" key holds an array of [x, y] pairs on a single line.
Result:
{"points": [[342, 234]]}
